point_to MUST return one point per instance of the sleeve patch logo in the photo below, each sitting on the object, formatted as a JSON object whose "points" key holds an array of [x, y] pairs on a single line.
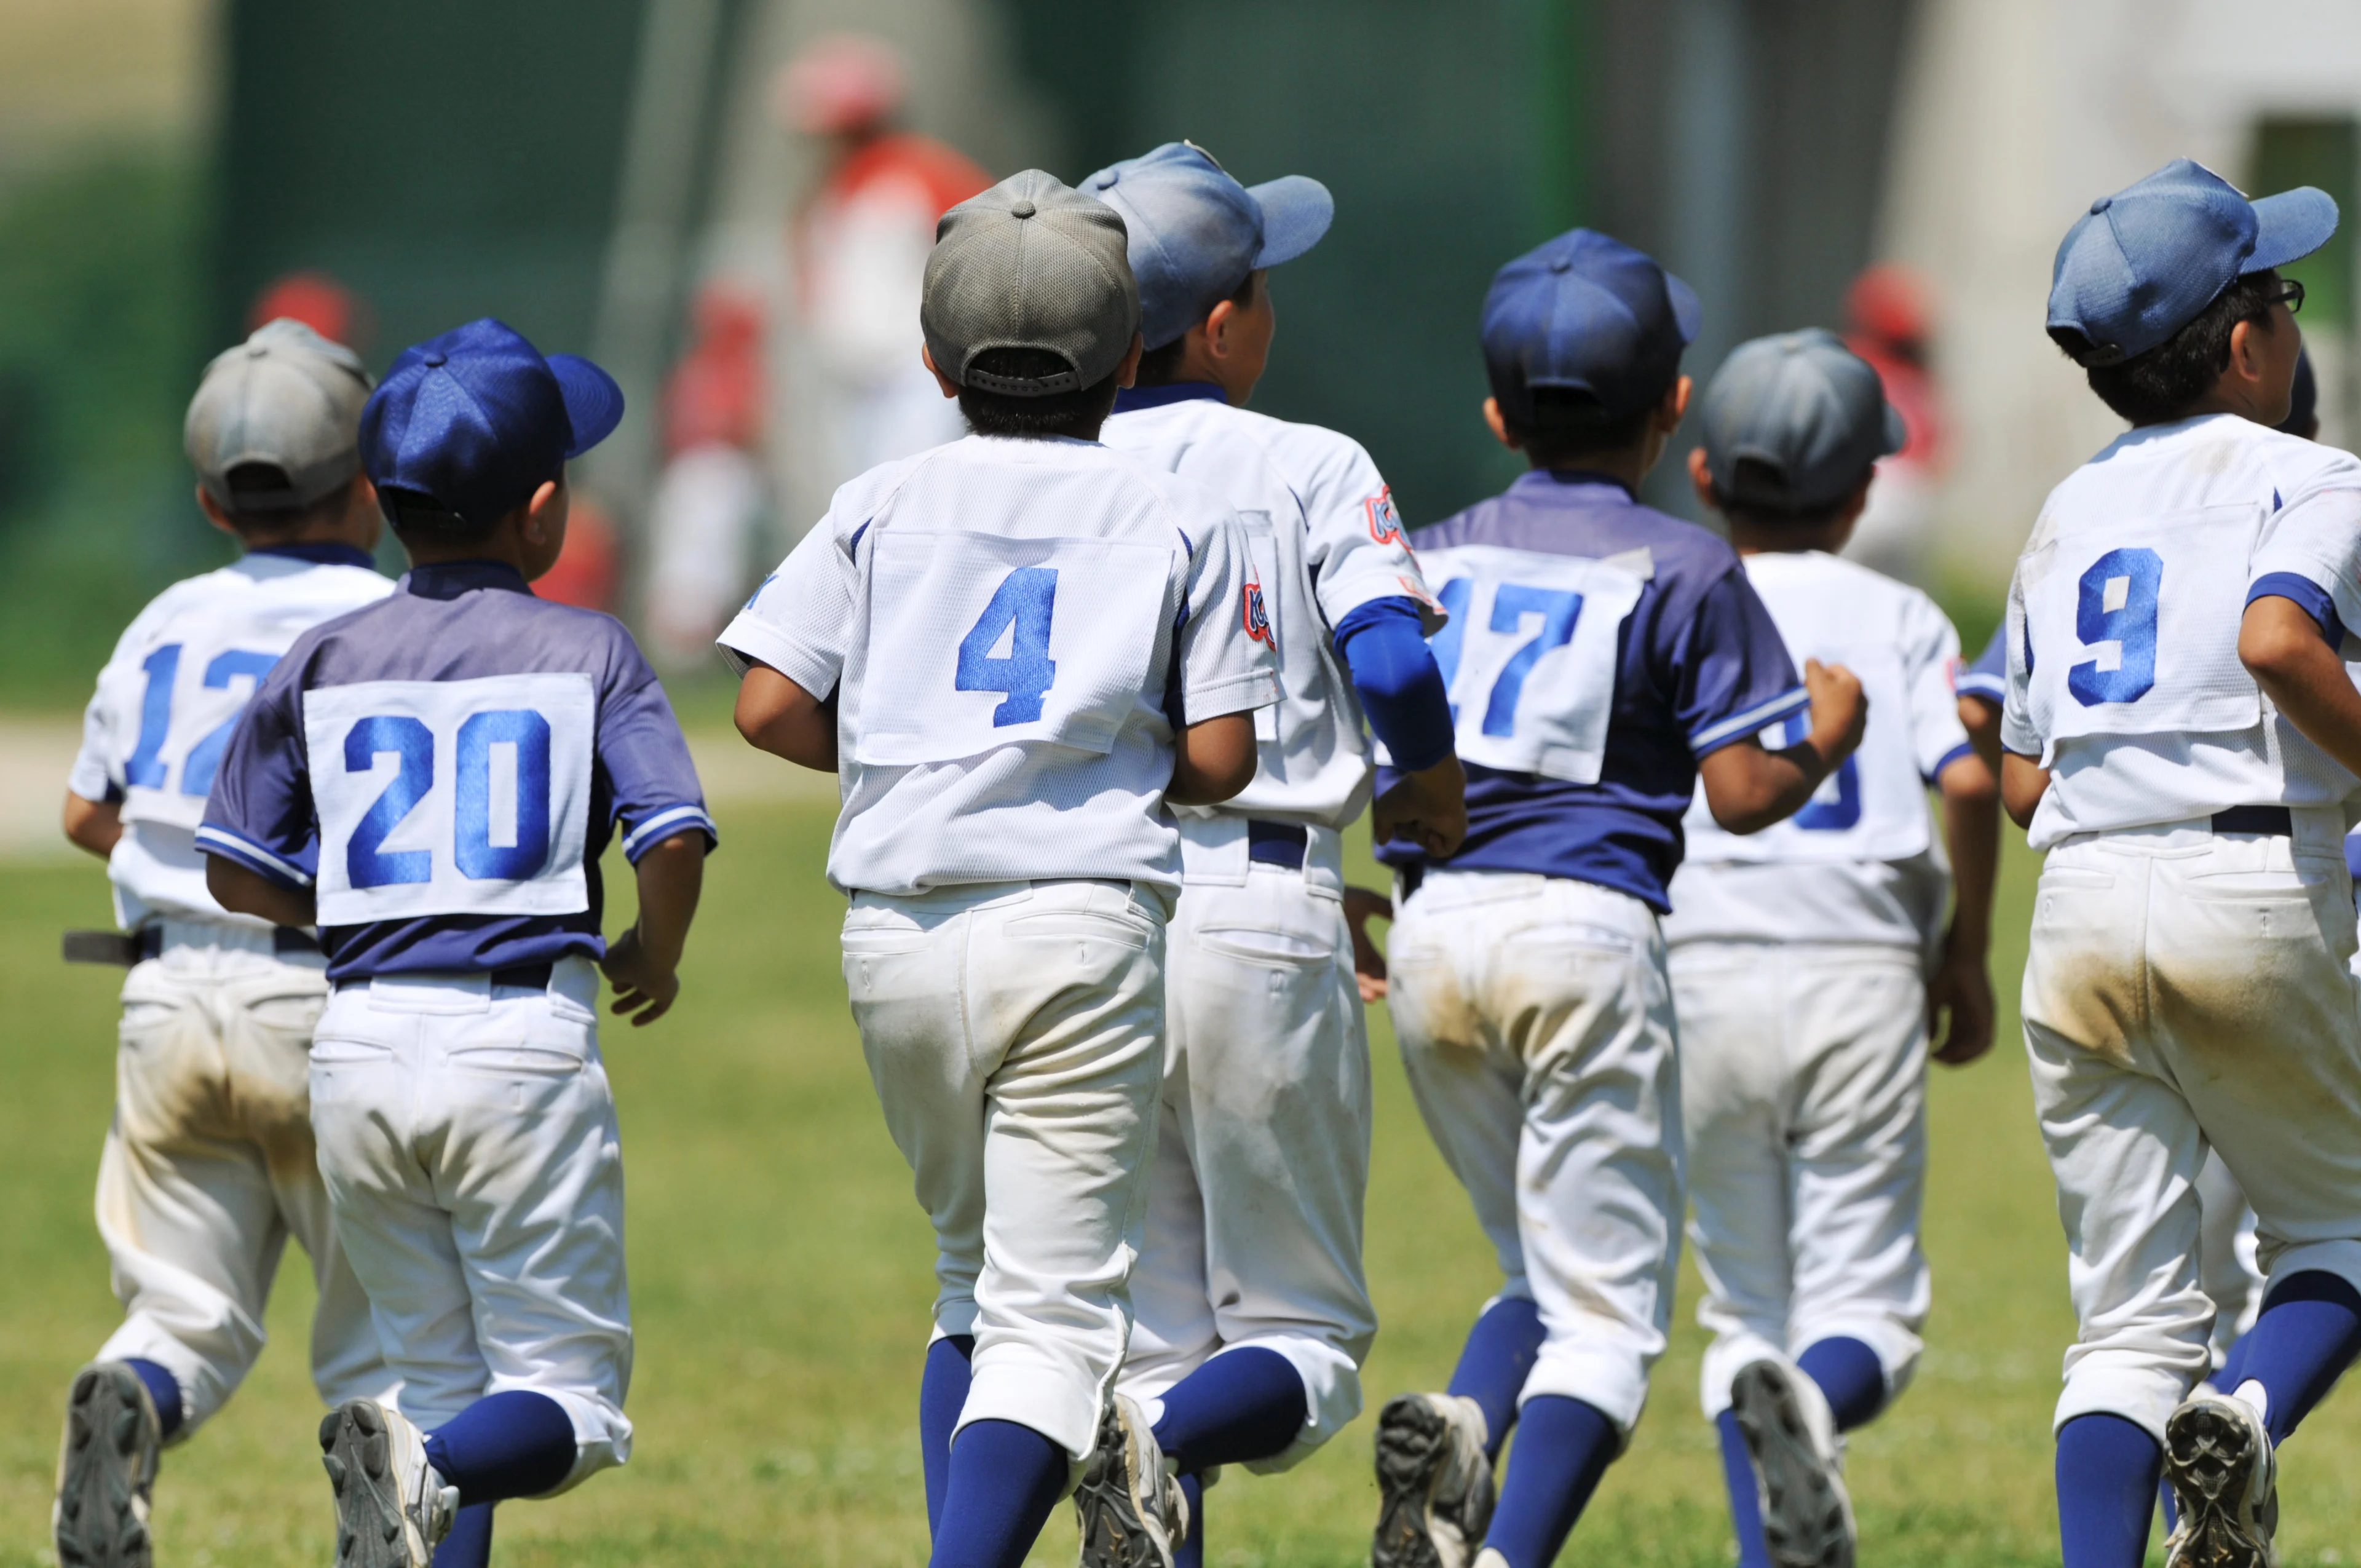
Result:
{"points": [[1952, 669], [1385, 521], [1258, 617]]}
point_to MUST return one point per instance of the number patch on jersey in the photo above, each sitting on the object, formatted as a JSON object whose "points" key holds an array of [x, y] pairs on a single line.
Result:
{"points": [[165, 760], [451, 797], [1528, 655], [977, 641], [2140, 639]]}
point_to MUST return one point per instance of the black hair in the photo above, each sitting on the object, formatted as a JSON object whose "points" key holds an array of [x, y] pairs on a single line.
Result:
{"points": [[2162, 384], [1077, 413], [1568, 424], [1161, 366], [1753, 476], [275, 517]]}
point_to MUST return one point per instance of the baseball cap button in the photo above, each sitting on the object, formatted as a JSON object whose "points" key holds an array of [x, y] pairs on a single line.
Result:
{"points": [[2101, 205], [1021, 210], [437, 358]]}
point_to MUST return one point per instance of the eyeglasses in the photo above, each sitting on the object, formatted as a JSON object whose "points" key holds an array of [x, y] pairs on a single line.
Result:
{"points": [[2290, 294]]}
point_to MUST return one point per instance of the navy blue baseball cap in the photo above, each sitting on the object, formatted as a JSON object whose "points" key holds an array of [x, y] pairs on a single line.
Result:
{"points": [[1587, 314], [477, 419], [2142, 264], [1194, 232]]}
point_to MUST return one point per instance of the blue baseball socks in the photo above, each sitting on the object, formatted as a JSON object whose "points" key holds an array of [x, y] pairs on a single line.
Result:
{"points": [[1242, 1405], [1493, 1366], [2308, 1332], [999, 1480], [1562, 1449], [163, 1391], [512, 1444], [2107, 1473]]}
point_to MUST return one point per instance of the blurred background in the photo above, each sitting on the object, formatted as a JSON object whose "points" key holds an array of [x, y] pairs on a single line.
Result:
{"points": [[727, 202]]}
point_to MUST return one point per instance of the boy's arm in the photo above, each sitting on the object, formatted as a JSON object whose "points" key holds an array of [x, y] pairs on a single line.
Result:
{"points": [[778, 716], [242, 891], [643, 963], [1363, 904], [1961, 986], [93, 825], [2282, 648], [2023, 782], [1212, 759], [1747, 788], [1980, 717]]}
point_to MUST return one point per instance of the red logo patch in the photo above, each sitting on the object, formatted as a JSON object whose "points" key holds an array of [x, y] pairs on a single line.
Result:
{"points": [[1257, 617], [1384, 521]]}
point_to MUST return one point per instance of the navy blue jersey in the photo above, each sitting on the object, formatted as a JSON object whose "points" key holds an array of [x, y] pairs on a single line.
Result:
{"points": [[443, 769], [1597, 649], [1988, 677]]}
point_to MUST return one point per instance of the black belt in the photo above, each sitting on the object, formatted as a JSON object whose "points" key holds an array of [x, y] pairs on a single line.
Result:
{"points": [[124, 948], [530, 976], [1410, 876], [1277, 843], [2271, 820]]}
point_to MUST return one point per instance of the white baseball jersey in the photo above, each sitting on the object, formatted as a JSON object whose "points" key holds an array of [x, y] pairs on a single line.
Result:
{"points": [[1859, 862], [168, 699], [1324, 539], [1005, 624], [2123, 676]]}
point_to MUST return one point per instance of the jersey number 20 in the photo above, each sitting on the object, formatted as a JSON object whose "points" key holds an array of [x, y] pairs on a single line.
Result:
{"points": [[2117, 604], [1018, 617], [505, 845]]}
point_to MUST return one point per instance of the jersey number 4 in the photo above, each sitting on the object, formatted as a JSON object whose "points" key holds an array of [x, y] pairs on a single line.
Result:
{"points": [[1018, 619], [2117, 604], [501, 819]]}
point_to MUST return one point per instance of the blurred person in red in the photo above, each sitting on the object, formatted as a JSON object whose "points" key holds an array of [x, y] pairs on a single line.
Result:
{"points": [[589, 564], [320, 302], [1887, 307], [858, 249], [711, 500]]}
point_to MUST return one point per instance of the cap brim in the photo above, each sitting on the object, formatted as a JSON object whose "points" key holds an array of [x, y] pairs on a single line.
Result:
{"points": [[1296, 212], [2290, 226], [1687, 315], [594, 404], [1897, 435]]}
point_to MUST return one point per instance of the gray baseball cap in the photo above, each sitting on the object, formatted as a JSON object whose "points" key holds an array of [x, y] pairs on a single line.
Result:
{"points": [[1807, 409], [286, 398], [1030, 263]]}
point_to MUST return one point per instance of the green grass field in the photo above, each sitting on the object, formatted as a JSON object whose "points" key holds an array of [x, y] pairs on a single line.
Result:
{"points": [[780, 1273]]}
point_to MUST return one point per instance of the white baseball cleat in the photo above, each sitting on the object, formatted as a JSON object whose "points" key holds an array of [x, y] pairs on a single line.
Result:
{"points": [[106, 1469], [1130, 1513], [2225, 1480], [392, 1507], [1435, 1481], [1791, 1435]]}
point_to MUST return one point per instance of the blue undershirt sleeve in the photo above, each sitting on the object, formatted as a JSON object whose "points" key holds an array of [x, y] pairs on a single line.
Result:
{"points": [[2309, 597], [1402, 690]]}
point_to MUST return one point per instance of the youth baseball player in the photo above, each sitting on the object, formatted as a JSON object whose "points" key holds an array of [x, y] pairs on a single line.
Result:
{"points": [[1602, 659], [208, 1167], [2183, 737], [1810, 960], [433, 779], [1016, 650], [1252, 1315]]}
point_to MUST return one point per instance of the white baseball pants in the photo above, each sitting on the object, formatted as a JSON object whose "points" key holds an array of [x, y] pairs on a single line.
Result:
{"points": [[2187, 991], [1803, 1090], [468, 1136], [2226, 1269], [1015, 1034], [1262, 1160], [209, 1168], [1536, 1025]]}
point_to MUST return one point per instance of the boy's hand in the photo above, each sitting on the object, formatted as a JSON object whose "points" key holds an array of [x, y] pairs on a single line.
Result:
{"points": [[1961, 987], [1429, 808], [1361, 905], [644, 988], [1839, 711]]}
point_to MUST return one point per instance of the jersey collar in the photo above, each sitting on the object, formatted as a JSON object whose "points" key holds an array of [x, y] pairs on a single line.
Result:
{"points": [[449, 579], [319, 554], [1133, 398], [1538, 482]]}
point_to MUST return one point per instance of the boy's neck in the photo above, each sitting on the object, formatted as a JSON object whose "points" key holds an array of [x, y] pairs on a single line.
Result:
{"points": [[1627, 465], [1750, 538]]}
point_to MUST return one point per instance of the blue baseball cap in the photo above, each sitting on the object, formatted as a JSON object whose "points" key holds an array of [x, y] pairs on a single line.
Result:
{"points": [[478, 420], [2142, 264], [1587, 314], [1195, 233]]}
